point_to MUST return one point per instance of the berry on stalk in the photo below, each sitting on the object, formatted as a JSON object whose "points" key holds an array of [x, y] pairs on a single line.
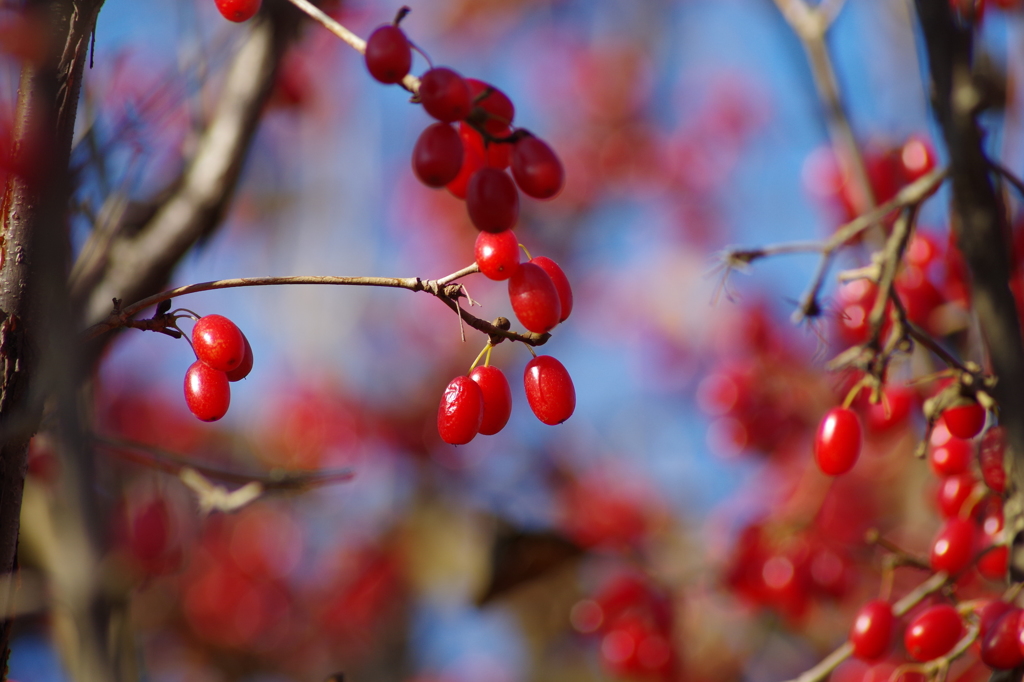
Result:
{"points": [[218, 342], [388, 54], [934, 632], [445, 95], [954, 546], [461, 411], [497, 254], [495, 108], [492, 200], [560, 281], [438, 155], [871, 633], [238, 10], [497, 398], [536, 168], [549, 390], [837, 445], [242, 371], [534, 298], [965, 421], [207, 392]]}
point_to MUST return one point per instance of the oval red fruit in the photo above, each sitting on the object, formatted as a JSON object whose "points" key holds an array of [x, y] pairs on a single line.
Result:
{"points": [[498, 110], [207, 392], [965, 421], [497, 398], [445, 95], [871, 633], [238, 10], [461, 410], [534, 298], [955, 546], [242, 371], [388, 54], [536, 168], [472, 161], [954, 491], [218, 342], [1000, 647], [991, 459], [497, 254], [560, 281], [837, 445], [437, 156], [492, 200], [495, 154], [549, 390], [934, 632]]}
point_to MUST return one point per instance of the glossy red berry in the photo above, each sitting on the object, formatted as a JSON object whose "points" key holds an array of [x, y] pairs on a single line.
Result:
{"points": [[954, 491], [949, 455], [560, 281], [497, 254], [492, 200], [218, 342], [934, 632], [549, 390], [207, 392], [497, 398], [445, 95], [536, 168], [965, 421], [871, 633], [837, 444], [238, 10], [991, 459], [955, 546], [497, 110], [388, 54], [242, 371], [437, 156], [534, 298], [461, 411], [1000, 646]]}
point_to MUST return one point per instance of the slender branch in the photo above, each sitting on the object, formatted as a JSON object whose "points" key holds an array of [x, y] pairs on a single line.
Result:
{"points": [[410, 82], [1017, 183], [900, 608], [444, 289], [173, 463]]}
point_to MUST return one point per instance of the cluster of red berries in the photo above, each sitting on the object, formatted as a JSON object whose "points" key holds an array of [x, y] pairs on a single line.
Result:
{"points": [[223, 355], [482, 401], [634, 621], [470, 161]]}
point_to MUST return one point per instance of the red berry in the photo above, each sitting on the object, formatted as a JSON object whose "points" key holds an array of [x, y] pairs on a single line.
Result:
{"points": [[388, 54], [933, 633], [855, 300], [549, 390], [242, 371], [536, 168], [872, 630], [994, 563], [917, 158], [498, 110], [990, 459], [534, 298], [238, 10], [955, 546], [445, 95], [492, 200], [560, 281], [461, 410], [891, 410], [991, 613], [954, 491], [953, 456], [965, 421], [437, 156], [497, 398], [472, 161], [495, 154], [218, 342], [837, 444], [497, 254], [1000, 646], [207, 392]]}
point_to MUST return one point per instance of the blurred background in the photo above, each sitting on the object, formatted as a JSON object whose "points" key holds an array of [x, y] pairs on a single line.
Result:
{"points": [[671, 529]]}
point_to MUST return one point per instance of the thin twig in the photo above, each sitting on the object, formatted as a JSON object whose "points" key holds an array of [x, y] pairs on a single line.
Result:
{"points": [[1017, 183], [410, 82], [173, 463], [900, 608]]}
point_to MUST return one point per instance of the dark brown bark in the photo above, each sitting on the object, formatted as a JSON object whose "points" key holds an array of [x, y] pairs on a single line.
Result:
{"points": [[978, 222]]}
